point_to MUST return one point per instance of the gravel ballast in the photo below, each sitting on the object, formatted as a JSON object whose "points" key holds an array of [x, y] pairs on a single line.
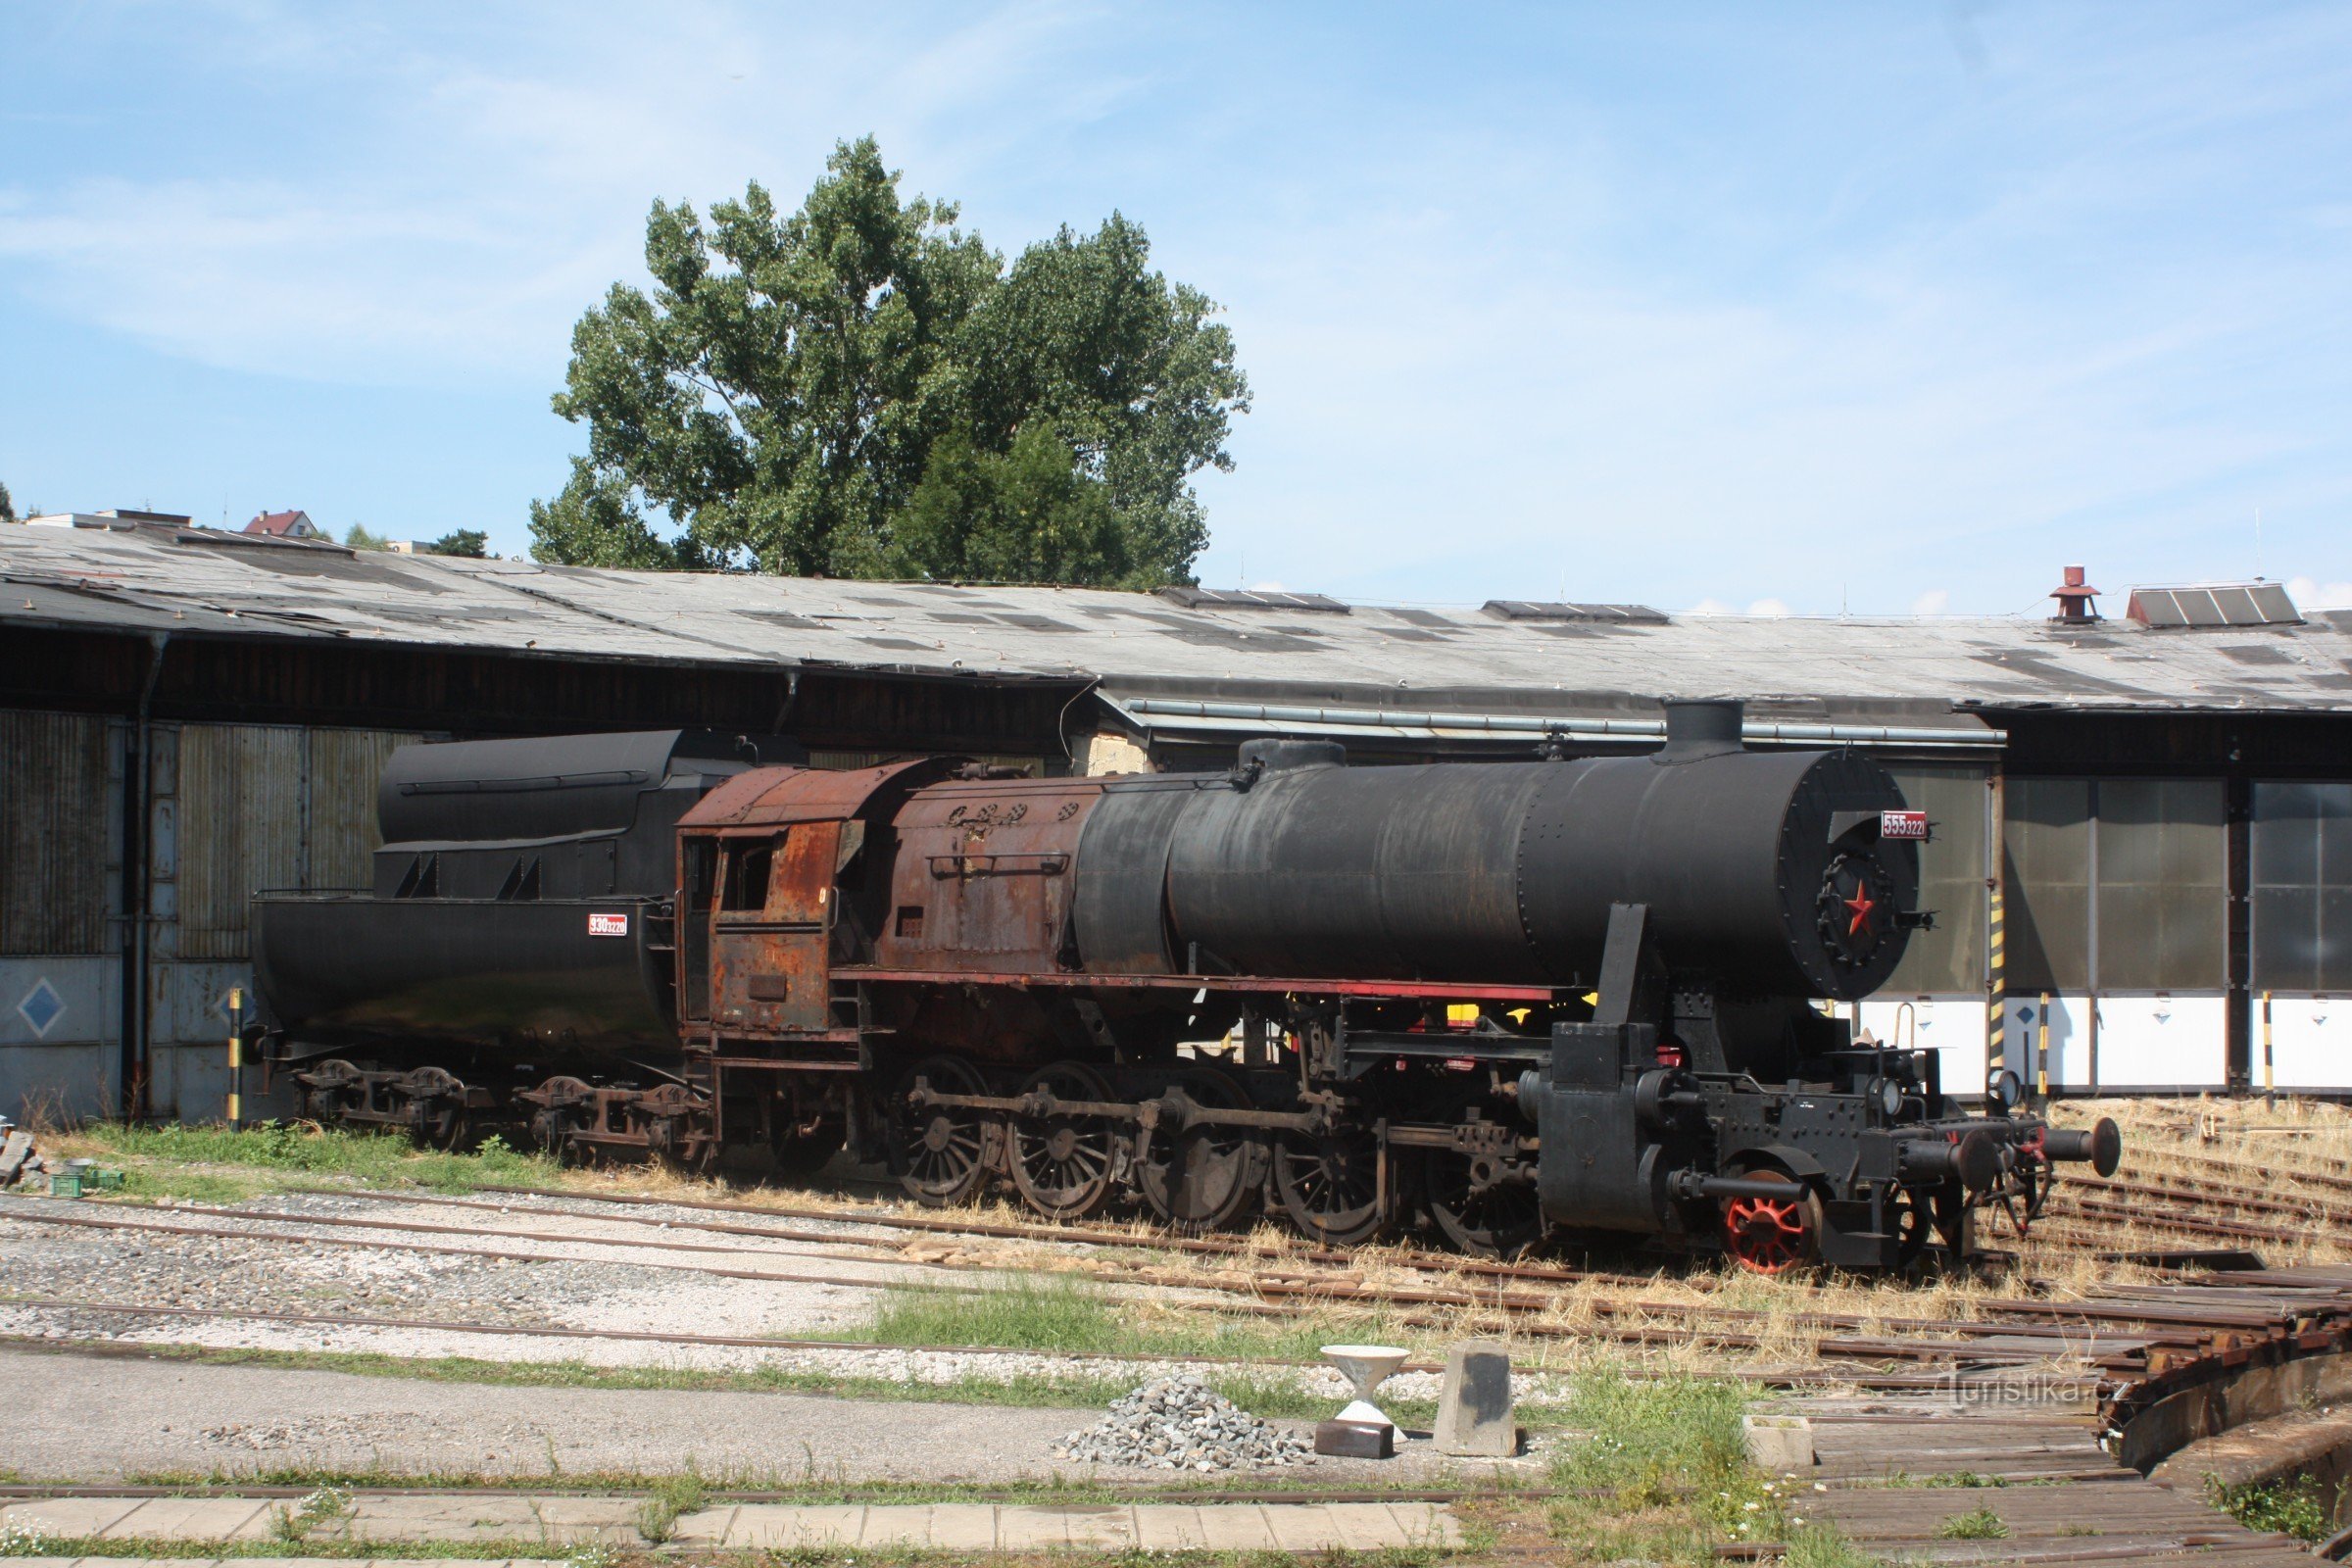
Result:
{"points": [[1181, 1423]]}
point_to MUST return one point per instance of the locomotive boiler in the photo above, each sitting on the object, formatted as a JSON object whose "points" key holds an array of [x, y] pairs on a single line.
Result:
{"points": [[1493, 999]]}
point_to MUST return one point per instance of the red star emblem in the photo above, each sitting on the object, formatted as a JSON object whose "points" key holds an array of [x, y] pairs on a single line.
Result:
{"points": [[1861, 904]]}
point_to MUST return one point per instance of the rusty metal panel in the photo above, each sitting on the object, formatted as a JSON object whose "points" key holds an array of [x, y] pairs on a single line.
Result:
{"points": [[345, 765], [270, 806], [57, 809], [242, 828], [778, 796], [768, 967], [984, 874]]}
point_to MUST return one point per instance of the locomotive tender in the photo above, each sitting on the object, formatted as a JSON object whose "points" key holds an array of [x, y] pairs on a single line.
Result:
{"points": [[1500, 998]]}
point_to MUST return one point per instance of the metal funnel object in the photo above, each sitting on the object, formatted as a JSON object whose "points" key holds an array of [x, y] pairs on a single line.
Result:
{"points": [[1365, 1367]]}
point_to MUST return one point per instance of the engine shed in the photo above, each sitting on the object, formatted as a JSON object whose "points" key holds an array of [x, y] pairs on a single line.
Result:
{"points": [[2141, 862]]}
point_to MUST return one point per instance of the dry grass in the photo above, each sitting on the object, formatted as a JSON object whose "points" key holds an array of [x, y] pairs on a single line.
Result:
{"points": [[1645, 1314]]}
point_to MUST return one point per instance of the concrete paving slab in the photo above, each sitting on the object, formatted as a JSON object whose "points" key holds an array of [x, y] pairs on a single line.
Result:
{"points": [[1099, 1527], [1170, 1526], [562, 1520], [1366, 1526], [1031, 1530], [959, 1527], [900, 1524], [1425, 1524], [1304, 1526], [194, 1519], [706, 1527], [68, 1517], [776, 1524], [1235, 1527]]}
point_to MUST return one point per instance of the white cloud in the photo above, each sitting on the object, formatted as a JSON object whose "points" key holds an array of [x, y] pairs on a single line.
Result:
{"points": [[1768, 607], [1934, 601], [2311, 594]]}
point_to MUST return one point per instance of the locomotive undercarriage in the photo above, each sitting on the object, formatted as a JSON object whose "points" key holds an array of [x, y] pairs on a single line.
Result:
{"points": [[1346, 1119]]}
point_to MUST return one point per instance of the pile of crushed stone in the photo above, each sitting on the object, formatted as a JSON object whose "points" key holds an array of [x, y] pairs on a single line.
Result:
{"points": [[1181, 1423]]}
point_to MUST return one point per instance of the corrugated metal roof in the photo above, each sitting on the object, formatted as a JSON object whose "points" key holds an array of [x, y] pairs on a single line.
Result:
{"points": [[1890, 670]]}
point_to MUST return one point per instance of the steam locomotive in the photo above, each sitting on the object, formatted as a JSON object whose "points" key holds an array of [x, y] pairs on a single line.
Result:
{"points": [[1493, 999]]}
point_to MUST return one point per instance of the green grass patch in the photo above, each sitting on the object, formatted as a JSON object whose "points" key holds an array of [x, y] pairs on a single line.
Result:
{"points": [[1065, 1313], [1661, 1472], [302, 1150], [1978, 1524], [2293, 1505]]}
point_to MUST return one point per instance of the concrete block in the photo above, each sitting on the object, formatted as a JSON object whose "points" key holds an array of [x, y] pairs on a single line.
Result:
{"points": [[1473, 1406], [15, 1151], [1780, 1443], [1355, 1440]]}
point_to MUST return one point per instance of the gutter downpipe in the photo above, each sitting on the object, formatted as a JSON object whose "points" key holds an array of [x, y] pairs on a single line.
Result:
{"points": [[138, 899]]}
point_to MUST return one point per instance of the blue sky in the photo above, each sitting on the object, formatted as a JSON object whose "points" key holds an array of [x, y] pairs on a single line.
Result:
{"points": [[1899, 307]]}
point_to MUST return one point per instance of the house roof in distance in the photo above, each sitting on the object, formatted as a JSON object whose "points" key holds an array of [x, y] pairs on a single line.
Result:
{"points": [[283, 525], [1567, 660]]}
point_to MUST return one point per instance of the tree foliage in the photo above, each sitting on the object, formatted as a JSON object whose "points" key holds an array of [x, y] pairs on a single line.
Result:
{"points": [[360, 537], [7, 507], [471, 542], [861, 388]]}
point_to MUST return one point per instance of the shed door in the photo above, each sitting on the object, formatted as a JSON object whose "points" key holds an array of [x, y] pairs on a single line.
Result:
{"points": [[770, 928]]}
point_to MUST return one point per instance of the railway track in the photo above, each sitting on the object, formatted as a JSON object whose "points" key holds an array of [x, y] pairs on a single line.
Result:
{"points": [[2119, 1334]]}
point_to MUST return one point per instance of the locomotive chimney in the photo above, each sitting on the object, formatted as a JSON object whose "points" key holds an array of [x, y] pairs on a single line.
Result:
{"points": [[1701, 727]]}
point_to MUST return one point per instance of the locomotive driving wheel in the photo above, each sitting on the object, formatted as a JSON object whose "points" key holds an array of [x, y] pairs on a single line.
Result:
{"points": [[1330, 1184], [941, 1154], [1063, 1163], [1477, 1208], [1200, 1178], [1773, 1234]]}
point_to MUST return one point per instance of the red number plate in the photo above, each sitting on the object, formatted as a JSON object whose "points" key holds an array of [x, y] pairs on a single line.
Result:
{"points": [[1902, 825], [607, 925]]}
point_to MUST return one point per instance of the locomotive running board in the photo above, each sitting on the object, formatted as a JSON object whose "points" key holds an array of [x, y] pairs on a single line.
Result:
{"points": [[1433, 989]]}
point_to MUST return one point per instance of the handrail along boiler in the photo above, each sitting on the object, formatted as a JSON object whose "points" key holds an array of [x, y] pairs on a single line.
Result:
{"points": [[1497, 999]]}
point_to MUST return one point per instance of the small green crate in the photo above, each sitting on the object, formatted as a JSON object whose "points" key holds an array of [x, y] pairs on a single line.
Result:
{"points": [[66, 1184], [110, 1181]]}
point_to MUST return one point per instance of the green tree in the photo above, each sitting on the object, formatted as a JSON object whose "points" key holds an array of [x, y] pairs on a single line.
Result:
{"points": [[358, 538], [1029, 515], [7, 507], [797, 392], [461, 542]]}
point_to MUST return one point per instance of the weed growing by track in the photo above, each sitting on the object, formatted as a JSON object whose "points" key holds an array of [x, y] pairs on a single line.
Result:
{"points": [[1661, 1469], [2297, 1506], [306, 1150], [1066, 1314]]}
